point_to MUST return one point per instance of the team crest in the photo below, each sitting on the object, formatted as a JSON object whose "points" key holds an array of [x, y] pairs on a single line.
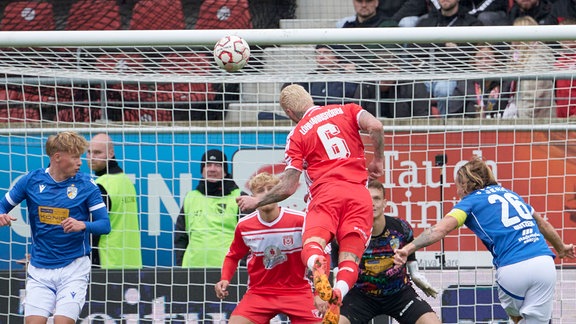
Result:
{"points": [[273, 256], [72, 192], [395, 243], [288, 240]]}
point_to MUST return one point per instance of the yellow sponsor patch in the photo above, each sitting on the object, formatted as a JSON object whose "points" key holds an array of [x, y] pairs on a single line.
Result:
{"points": [[52, 215]]}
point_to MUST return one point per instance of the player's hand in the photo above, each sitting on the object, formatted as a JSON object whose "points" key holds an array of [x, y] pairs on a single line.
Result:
{"points": [[246, 203], [400, 257], [6, 220], [375, 169], [568, 251], [321, 305], [71, 225], [221, 289], [420, 281]]}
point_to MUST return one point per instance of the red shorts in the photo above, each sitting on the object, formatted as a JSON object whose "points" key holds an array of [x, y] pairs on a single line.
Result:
{"points": [[261, 308], [341, 208]]}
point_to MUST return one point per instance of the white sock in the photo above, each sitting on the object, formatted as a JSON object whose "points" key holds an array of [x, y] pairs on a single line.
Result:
{"points": [[311, 261], [342, 286]]}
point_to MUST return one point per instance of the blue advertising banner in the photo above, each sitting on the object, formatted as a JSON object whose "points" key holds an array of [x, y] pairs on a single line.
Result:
{"points": [[163, 166]]}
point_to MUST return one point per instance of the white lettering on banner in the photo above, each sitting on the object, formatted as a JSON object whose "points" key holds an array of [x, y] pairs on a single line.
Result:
{"points": [[158, 192]]}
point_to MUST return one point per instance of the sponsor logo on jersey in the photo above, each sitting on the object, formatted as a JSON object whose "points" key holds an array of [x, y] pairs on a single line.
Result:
{"points": [[42, 187], [72, 192], [52, 215], [273, 256]]}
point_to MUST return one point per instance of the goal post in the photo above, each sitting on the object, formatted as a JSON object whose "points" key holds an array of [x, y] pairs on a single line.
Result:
{"points": [[164, 102]]}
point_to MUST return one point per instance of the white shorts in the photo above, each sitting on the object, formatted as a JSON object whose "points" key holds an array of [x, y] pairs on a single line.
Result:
{"points": [[60, 291], [527, 289]]}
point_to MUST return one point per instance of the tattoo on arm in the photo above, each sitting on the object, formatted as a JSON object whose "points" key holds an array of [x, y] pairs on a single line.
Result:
{"points": [[284, 189], [378, 141], [426, 238]]}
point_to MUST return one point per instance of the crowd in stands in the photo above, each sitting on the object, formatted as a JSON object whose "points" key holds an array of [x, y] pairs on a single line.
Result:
{"points": [[383, 98]]}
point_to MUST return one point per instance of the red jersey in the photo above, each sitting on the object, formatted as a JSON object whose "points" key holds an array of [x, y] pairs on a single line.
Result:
{"points": [[326, 145], [274, 262]]}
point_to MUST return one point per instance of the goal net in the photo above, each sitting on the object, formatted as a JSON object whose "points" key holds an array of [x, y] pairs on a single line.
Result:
{"points": [[161, 97]]}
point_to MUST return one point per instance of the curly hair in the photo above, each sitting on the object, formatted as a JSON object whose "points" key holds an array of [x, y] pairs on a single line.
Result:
{"points": [[474, 175]]}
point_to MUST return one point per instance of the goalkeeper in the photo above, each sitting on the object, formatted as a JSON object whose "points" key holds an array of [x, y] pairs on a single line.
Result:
{"points": [[381, 288]]}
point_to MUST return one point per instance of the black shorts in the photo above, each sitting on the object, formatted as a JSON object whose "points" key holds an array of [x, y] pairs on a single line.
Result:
{"points": [[405, 306]]}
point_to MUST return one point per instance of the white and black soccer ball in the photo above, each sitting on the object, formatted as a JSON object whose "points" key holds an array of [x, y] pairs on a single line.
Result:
{"points": [[231, 53]]}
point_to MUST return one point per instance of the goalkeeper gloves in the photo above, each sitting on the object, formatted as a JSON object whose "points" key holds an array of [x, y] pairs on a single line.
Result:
{"points": [[421, 281]]}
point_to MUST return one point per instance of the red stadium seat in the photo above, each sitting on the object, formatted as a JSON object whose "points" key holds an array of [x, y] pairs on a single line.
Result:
{"points": [[19, 115], [157, 15], [185, 64], [78, 115], [147, 115], [94, 15], [125, 63], [27, 15], [224, 14]]}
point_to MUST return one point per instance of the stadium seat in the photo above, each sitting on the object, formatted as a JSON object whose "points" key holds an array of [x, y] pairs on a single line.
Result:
{"points": [[19, 115], [78, 115], [27, 16], [125, 63], [94, 15], [157, 15], [147, 115], [224, 14], [185, 64]]}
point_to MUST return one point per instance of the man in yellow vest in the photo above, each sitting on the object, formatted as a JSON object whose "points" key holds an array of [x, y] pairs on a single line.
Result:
{"points": [[205, 227], [121, 248]]}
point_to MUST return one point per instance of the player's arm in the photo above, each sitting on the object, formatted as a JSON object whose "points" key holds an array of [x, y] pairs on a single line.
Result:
{"points": [[100, 224], [11, 199], [289, 181], [375, 130], [429, 236], [236, 252], [420, 280], [563, 250]]}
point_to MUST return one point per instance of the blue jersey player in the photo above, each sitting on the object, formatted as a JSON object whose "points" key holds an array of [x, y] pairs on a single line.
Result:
{"points": [[513, 232], [64, 207]]}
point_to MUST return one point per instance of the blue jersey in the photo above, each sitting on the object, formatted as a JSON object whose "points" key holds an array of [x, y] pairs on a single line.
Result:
{"points": [[503, 221], [49, 203], [378, 276]]}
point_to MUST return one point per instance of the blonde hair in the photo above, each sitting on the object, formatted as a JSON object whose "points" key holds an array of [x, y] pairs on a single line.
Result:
{"points": [[525, 21], [474, 175], [295, 98], [68, 142], [262, 179]]}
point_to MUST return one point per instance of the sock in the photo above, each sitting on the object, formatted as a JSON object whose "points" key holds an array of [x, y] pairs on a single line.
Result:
{"points": [[347, 276], [310, 251]]}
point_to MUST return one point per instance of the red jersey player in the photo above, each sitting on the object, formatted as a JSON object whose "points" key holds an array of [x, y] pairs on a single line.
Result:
{"points": [[272, 238], [326, 145]]}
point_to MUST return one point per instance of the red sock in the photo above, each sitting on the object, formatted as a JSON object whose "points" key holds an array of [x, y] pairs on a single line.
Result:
{"points": [[347, 272], [310, 249]]}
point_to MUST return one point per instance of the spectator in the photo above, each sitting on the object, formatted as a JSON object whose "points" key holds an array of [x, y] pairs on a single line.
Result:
{"points": [[513, 232], [272, 238], [489, 12], [59, 200], [121, 248], [392, 98], [487, 97], [327, 146], [368, 15], [448, 57], [562, 10], [382, 289], [329, 62], [532, 98], [566, 88], [539, 10], [205, 227]]}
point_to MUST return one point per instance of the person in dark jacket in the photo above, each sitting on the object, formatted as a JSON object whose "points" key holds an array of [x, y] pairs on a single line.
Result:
{"points": [[540, 10], [562, 10], [489, 12], [445, 57]]}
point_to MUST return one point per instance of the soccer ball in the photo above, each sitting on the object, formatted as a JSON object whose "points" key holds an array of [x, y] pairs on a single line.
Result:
{"points": [[231, 53]]}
